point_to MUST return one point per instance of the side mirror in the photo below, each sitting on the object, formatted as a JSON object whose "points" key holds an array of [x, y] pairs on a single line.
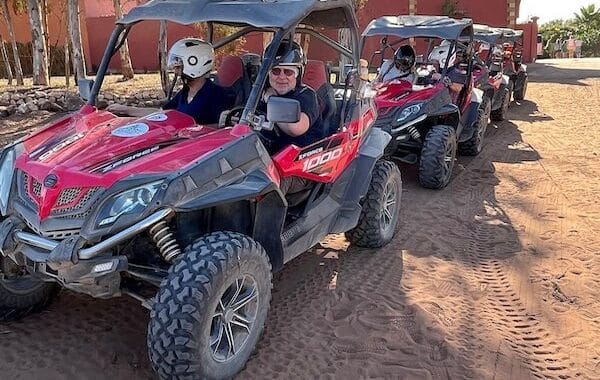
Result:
{"points": [[85, 88], [283, 110]]}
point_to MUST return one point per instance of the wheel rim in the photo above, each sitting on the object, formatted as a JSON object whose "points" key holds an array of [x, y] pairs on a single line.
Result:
{"points": [[234, 318], [389, 206]]}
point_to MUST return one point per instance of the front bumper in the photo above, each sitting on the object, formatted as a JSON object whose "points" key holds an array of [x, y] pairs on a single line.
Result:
{"points": [[71, 262]]}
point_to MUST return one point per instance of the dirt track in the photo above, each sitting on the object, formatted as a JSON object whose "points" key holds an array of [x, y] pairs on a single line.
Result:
{"points": [[500, 278]]}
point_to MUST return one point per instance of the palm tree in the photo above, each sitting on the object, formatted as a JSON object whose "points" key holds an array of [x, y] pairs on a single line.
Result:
{"points": [[126, 67], [588, 15], [75, 39], [38, 42], [13, 41]]}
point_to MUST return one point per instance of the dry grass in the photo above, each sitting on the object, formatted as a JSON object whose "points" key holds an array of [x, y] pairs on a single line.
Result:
{"points": [[112, 83]]}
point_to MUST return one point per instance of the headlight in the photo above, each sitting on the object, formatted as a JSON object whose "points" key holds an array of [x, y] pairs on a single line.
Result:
{"points": [[132, 201], [408, 112], [7, 168]]}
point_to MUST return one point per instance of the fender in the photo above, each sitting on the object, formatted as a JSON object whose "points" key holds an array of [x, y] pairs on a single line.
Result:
{"points": [[356, 179]]}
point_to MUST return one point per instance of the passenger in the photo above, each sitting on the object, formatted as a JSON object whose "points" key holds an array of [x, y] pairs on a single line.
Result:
{"points": [[402, 67], [193, 60]]}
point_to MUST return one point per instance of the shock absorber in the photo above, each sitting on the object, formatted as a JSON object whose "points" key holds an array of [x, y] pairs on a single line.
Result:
{"points": [[414, 133], [164, 240]]}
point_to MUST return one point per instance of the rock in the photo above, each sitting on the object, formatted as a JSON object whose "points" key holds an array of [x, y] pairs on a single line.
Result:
{"points": [[32, 106], [100, 97], [20, 101], [43, 104], [139, 96], [73, 102], [55, 107], [16, 97], [51, 99], [148, 103], [40, 94], [109, 97], [5, 99], [22, 109], [101, 104], [6, 111]]}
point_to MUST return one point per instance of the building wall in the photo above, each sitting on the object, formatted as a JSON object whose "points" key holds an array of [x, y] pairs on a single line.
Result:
{"points": [[98, 22]]}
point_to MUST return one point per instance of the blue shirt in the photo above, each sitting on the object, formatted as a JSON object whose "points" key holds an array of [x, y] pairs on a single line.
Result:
{"points": [[205, 108]]}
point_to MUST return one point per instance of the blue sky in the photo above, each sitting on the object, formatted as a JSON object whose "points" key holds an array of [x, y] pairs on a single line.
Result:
{"points": [[548, 10]]}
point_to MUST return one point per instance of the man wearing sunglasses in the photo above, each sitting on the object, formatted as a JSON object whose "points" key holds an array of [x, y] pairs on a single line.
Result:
{"points": [[285, 80]]}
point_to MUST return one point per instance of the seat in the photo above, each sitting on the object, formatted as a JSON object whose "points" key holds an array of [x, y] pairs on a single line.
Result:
{"points": [[315, 76], [232, 76]]}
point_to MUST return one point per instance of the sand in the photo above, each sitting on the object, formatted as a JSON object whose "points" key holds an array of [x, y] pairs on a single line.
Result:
{"points": [[500, 276]]}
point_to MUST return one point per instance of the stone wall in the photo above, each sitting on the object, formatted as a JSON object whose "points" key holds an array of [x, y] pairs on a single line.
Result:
{"points": [[23, 101]]}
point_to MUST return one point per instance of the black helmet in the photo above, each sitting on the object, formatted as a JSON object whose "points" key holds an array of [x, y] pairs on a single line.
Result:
{"points": [[289, 53], [405, 57]]}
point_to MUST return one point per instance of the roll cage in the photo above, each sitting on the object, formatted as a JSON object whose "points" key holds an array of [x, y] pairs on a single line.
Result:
{"points": [[458, 31], [283, 18]]}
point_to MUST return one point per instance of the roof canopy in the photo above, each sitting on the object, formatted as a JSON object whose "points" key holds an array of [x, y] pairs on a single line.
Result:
{"points": [[257, 13], [486, 34], [511, 34], [419, 26]]}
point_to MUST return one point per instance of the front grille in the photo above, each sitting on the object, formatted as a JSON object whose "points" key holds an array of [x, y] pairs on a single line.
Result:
{"points": [[83, 202], [36, 187], [68, 195], [54, 235]]}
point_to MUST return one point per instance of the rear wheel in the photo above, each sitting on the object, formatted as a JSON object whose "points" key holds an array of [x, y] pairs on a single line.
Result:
{"points": [[473, 146], [520, 93], [21, 293], [210, 311], [437, 157], [380, 208], [501, 113]]}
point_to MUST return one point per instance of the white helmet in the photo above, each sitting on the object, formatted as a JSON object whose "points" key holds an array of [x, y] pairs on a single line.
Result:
{"points": [[440, 54], [194, 55]]}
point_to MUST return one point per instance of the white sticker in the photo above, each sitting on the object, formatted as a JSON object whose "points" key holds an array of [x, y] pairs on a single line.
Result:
{"points": [[157, 117], [131, 130]]}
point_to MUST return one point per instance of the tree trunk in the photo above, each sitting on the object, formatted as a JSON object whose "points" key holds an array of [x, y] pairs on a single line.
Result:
{"points": [[9, 74], [13, 42], [44, 17], [162, 57], [75, 39], [67, 63], [126, 67], [39, 53]]}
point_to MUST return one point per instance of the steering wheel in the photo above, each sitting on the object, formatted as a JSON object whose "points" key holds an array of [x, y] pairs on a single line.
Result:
{"points": [[267, 137], [236, 112]]}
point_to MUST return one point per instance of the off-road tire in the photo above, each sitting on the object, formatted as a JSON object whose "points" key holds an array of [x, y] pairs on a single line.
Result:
{"points": [[435, 167], [520, 93], [501, 113], [181, 319], [379, 217], [474, 145], [23, 296]]}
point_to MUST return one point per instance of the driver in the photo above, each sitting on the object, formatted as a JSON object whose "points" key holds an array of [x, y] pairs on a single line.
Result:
{"points": [[200, 98], [401, 67], [285, 80], [456, 77]]}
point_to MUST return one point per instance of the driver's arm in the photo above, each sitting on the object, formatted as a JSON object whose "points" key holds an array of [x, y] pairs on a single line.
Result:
{"points": [[296, 129], [456, 87]]}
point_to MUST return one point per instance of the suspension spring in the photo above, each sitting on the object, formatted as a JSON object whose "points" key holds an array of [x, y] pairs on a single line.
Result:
{"points": [[166, 243], [414, 133]]}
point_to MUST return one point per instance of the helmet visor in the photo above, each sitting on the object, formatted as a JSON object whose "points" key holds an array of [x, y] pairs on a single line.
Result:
{"points": [[174, 61]]}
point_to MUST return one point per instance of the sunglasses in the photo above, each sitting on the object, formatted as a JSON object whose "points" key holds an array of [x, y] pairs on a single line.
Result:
{"points": [[288, 72]]}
